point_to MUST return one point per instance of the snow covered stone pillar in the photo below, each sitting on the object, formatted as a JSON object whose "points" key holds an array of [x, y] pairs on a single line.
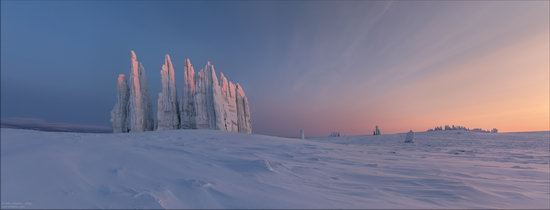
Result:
{"points": [[187, 102], [119, 114], [376, 131], [201, 118], [167, 109], [140, 110], [243, 111], [228, 116], [217, 101], [205, 98]]}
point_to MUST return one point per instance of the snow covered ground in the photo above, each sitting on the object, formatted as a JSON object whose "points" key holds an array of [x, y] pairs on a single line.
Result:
{"points": [[215, 169]]}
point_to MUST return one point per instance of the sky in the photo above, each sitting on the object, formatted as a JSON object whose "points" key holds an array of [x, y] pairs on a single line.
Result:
{"points": [[320, 66]]}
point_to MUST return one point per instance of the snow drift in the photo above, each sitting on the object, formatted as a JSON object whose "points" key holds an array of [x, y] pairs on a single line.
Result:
{"points": [[214, 169]]}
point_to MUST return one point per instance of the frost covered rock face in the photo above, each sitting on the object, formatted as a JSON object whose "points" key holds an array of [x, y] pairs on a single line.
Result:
{"points": [[119, 114], [140, 111], [206, 102], [167, 109]]}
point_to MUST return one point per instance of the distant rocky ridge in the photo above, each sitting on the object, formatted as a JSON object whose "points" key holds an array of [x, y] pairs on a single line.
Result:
{"points": [[207, 102]]}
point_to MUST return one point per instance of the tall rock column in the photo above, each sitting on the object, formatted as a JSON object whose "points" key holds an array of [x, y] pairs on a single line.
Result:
{"points": [[119, 114], [243, 111], [167, 109], [187, 102], [207, 98], [140, 109], [216, 119], [229, 105], [201, 116]]}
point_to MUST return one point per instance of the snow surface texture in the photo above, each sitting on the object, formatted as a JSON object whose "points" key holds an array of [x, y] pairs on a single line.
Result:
{"points": [[206, 102], [214, 169]]}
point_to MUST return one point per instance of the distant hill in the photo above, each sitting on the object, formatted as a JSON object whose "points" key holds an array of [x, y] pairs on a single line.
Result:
{"points": [[42, 125]]}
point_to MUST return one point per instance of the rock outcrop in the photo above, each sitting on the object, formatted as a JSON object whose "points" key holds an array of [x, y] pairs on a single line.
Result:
{"points": [[409, 138]]}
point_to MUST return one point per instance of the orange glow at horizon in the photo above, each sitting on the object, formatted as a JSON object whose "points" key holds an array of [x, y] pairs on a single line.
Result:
{"points": [[507, 89]]}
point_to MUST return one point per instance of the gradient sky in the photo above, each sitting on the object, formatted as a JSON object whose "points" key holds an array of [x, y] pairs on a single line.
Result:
{"points": [[319, 65]]}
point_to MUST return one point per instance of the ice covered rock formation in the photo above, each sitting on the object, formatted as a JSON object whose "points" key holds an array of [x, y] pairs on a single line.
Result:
{"points": [[140, 111], [206, 102], [119, 114], [167, 109], [217, 103]]}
